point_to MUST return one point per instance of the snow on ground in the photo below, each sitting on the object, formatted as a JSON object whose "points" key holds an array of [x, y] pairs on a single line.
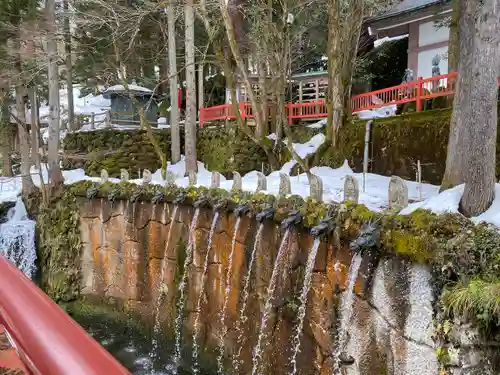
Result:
{"points": [[448, 201], [302, 149], [382, 112], [374, 194]]}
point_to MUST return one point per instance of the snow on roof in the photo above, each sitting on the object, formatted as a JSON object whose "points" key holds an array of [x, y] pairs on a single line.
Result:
{"points": [[121, 88]]}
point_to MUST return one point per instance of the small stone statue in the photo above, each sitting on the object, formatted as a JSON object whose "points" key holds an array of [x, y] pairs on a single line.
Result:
{"points": [[435, 65], [124, 175], [147, 176], [408, 76], [435, 71], [104, 176]]}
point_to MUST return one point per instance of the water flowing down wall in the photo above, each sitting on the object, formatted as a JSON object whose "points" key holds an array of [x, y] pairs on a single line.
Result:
{"points": [[128, 247], [17, 239]]}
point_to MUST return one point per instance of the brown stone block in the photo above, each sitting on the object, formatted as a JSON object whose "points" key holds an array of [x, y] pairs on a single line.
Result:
{"points": [[178, 235], [157, 239]]}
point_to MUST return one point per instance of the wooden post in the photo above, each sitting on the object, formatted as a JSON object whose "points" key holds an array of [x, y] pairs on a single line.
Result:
{"points": [[92, 120], [300, 92], [317, 89], [419, 94]]}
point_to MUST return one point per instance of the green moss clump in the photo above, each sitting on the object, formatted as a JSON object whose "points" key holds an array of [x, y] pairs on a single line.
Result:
{"points": [[313, 211], [476, 300], [59, 249], [420, 249]]}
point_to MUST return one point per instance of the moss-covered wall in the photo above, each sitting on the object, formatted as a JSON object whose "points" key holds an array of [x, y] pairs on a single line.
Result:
{"points": [[113, 150], [397, 144], [223, 149], [465, 258], [59, 248]]}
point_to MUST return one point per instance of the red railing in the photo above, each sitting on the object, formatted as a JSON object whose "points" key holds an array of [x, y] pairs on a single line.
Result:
{"points": [[48, 341], [416, 91]]}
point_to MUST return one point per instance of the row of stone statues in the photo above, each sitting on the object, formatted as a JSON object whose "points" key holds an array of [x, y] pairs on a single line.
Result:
{"points": [[398, 189]]}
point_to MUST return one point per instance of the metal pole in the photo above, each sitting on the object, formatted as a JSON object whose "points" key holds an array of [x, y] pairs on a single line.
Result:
{"points": [[368, 127]]}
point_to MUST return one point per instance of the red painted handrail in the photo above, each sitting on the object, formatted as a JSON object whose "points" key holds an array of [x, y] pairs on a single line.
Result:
{"points": [[46, 336], [416, 91]]}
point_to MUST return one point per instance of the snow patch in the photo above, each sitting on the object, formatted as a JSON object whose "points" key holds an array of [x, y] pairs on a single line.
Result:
{"points": [[449, 200]]}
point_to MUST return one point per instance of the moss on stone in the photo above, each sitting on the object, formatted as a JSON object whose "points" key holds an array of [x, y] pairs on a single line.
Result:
{"points": [[59, 248]]}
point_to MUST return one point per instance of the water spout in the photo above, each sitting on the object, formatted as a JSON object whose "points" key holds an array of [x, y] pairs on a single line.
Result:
{"points": [[242, 210], [294, 218], [311, 261], [278, 265], [201, 201], [266, 214], [136, 195], [158, 198], [324, 228], [196, 328], [182, 287], [246, 293], [368, 239], [180, 199], [113, 194], [227, 292], [219, 206], [92, 191]]}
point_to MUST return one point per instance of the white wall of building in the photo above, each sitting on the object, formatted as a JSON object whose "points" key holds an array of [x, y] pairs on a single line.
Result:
{"points": [[428, 33], [425, 61]]}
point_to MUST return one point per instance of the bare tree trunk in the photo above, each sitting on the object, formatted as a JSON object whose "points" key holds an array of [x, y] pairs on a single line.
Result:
{"points": [[35, 130], [343, 38], [454, 172], [27, 181], [35, 143], [5, 133], [240, 63], [69, 68], [55, 175], [350, 45], [263, 130], [172, 71], [24, 147], [481, 119], [334, 95], [454, 41], [190, 123], [201, 89]]}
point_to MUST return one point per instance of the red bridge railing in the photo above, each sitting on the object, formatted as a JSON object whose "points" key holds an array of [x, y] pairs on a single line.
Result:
{"points": [[416, 91], [47, 340]]}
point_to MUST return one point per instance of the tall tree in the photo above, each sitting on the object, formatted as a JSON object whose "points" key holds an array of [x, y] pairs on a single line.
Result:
{"points": [[473, 129], [344, 28], [173, 82], [55, 175], [190, 123], [454, 41], [18, 12], [69, 66]]}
